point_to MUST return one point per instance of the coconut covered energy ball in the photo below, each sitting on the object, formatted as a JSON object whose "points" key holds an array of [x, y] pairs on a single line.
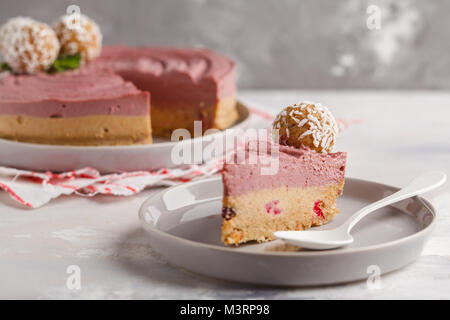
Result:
{"points": [[307, 123], [79, 34], [28, 46]]}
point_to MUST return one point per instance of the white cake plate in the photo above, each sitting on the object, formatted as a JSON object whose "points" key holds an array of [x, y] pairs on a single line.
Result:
{"points": [[384, 241], [41, 157]]}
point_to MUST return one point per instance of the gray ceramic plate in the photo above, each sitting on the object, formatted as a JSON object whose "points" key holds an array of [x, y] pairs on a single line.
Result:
{"points": [[385, 240]]}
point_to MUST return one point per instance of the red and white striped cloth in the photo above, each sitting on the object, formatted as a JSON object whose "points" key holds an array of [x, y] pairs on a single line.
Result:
{"points": [[34, 189]]}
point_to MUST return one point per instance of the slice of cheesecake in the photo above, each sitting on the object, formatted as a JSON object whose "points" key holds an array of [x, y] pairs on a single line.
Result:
{"points": [[74, 108], [301, 194]]}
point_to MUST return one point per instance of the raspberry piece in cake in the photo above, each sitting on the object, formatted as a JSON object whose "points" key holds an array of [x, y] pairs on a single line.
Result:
{"points": [[318, 210], [272, 207]]}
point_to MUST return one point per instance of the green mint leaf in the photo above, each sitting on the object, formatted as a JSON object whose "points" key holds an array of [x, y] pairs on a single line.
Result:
{"points": [[65, 63], [5, 67]]}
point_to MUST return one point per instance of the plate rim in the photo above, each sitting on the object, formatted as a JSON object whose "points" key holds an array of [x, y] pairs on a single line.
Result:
{"points": [[56, 147], [419, 234]]}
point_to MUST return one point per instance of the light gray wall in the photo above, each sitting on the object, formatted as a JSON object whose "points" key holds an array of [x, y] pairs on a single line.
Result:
{"points": [[284, 43]]}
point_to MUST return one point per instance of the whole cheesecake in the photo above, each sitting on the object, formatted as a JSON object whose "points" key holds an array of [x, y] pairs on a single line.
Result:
{"points": [[107, 102], [74, 108], [185, 84]]}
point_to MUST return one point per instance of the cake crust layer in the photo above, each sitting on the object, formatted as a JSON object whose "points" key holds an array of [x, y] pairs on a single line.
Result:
{"points": [[83, 131], [165, 119], [255, 216]]}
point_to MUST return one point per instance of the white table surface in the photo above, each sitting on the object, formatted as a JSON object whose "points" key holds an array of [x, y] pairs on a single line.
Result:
{"points": [[401, 134]]}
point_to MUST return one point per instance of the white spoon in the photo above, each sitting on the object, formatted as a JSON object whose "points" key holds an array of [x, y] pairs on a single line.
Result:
{"points": [[340, 236]]}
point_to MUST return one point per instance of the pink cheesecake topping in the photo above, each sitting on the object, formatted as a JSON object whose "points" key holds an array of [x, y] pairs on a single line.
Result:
{"points": [[297, 168], [71, 94], [173, 75]]}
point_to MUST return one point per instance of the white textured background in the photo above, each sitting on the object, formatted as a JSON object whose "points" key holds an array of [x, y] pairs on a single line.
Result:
{"points": [[284, 43]]}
